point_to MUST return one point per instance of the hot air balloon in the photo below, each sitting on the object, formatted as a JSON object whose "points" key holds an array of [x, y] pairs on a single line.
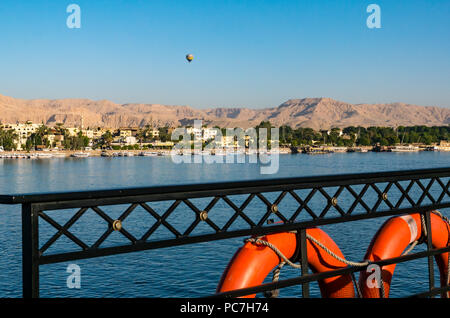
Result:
{"points": [[189, 57]]}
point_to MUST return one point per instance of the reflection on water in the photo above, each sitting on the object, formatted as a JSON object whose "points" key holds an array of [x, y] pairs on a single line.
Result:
{"points": [[185, 271]]}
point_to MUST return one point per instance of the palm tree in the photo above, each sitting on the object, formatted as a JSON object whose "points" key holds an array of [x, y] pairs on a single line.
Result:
{"points": [[147, 129], [42, 130], [141, 136], [7, 138], [107, 138]]}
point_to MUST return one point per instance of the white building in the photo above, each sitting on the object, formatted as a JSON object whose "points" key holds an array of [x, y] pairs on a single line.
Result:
{"points": [[129, 141], [210, 133], [197, 132], [23, 131], [73, 131], [203, 133]]}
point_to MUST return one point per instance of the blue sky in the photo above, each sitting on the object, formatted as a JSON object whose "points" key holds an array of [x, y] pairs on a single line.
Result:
{"points": [[248, 53]]}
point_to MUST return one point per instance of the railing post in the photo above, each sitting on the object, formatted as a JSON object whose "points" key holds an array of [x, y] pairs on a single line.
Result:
{"points": [[30, 250], [429, 248], [304, 261]]}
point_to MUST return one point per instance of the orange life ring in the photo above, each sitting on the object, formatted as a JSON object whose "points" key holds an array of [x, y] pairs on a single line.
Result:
{"points": [[252, 263], [392, 239]]}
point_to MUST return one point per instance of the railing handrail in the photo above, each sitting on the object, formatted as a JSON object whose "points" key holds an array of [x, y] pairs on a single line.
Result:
{"points": [[229, 187]]}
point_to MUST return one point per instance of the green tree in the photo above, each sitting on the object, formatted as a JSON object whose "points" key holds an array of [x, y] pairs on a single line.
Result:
{"points": [[107, 138]]}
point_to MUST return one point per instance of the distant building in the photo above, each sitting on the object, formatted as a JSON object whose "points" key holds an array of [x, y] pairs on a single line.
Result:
{"points": [[162, 144], [23, 131], [203, 133], [88, 133], [197, 132], [73, 131], [444, 145], [346, 137], [227, 141], [124, 132], [153, 133], [209, 133], [129, 141], [99, 132], [128, 131]]}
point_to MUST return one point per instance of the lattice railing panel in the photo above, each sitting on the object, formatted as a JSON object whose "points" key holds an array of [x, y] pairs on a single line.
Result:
{"points": [[96, 227]]}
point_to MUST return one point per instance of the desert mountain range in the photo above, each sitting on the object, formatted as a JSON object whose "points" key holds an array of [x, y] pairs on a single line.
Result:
{"points": [[316, 113]]}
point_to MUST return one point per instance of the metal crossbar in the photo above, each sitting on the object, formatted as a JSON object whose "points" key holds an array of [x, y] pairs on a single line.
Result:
{"points": [[341, 195]]}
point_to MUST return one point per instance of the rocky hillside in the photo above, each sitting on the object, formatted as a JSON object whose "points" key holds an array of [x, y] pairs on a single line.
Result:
{"points": [[317, 113]]}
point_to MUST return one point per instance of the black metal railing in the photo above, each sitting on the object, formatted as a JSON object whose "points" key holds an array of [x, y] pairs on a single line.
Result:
{"points": [[344, 198]]}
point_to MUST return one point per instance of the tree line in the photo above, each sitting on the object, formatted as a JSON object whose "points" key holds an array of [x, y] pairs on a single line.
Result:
{"points": [[38, 138], [362, 136]]}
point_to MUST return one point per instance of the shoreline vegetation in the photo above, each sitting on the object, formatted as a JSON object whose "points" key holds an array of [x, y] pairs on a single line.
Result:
{"points": [[35, 141]]}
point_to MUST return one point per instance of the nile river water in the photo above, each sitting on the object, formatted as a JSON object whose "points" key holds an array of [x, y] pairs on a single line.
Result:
{"points": [[186, 271]]}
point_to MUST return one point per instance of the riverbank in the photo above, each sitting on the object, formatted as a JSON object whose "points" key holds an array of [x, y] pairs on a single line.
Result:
{"points": [[109, 153], [166, 152]]}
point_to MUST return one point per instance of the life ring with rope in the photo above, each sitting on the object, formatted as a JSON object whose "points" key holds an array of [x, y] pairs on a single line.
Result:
{"points": [[252, 263], [393, 238]]}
